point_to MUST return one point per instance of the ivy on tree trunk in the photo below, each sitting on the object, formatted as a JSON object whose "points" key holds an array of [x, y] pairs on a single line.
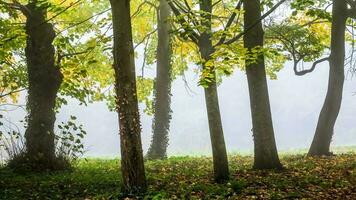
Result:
{"points": [[162, 101], [132, 166], [45, 79]]}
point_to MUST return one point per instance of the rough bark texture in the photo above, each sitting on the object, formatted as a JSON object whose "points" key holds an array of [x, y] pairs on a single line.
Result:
{"points": [[220, 161], [328, 115], [45, 79], [162, 114], [266, 155], [132, 166]]}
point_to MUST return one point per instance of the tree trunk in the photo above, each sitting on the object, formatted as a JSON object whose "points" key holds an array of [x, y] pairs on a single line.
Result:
{"points": [[220, 161], [328, 115], [132, 165], [45, 79], [266, 155], [162, 114]]}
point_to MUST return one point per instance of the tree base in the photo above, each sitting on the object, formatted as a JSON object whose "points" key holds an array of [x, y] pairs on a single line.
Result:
{"points": [[273, 166], [24, 163], [320, 154], [155, 156], [221, 179]]}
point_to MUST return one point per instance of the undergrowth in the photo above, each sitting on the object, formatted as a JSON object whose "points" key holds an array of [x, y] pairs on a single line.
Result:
{"points": [[191, 178]]}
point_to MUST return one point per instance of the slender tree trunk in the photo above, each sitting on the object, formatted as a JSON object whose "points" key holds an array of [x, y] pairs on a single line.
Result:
{"points": [[44, 81], [266, 155], [328, 115], [132, 166], [162, 114], [220, 161]]}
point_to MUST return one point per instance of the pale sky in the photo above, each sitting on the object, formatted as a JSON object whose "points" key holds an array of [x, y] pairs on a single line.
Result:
{"points": [[296, 103]]}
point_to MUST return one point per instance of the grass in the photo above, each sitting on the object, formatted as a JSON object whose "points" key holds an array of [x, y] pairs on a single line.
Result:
{"points": [[191, 178]]}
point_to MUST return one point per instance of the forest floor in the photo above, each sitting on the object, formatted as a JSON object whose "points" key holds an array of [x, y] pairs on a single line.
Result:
{"points": [[191, 178]]}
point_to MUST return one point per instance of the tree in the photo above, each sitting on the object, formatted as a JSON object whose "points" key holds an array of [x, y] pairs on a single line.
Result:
{"points": [[330, 110], [211, 96], [162, 99], [132, 166], [40, 69], [266, 155], [45, 79], [212, 36], [331, 107], [204, 43]]}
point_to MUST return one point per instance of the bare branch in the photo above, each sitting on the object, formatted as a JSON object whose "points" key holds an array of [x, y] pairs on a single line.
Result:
{"points": [[237, 37], [64, 10], [83, 21], [138, 10], [301, 73], [148, 35], [216, 3], [12, 92]]}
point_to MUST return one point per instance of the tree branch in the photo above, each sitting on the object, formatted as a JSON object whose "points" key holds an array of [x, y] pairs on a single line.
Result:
{"points": [[16, 6], [12, 92], [190, 32], [229, 22], [301, 73], [138, 10], [83, 21], [237, 37], [148, 35]]}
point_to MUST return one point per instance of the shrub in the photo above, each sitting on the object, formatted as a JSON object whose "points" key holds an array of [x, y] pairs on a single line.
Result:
{"points": [[68, 141]]}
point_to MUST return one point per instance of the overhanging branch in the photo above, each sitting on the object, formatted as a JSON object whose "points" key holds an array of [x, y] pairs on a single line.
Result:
{"points": [[301, 73]]}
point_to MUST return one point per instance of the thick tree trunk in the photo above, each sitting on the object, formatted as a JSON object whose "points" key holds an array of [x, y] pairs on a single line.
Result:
{"points": [[328, 115], [44, 81], [266, 155], [132, 166], [162, 102], [220, 161]]}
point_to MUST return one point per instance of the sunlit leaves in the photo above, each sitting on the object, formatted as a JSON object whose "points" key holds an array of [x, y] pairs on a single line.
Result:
{"points": [[144, 92], [12, 69], [80, 36], [300, 39], [144, 18]]}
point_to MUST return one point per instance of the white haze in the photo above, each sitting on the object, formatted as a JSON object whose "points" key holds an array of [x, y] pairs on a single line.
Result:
{"points": [[295, 101]]}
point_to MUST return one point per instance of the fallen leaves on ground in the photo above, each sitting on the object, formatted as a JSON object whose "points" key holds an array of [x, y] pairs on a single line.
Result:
{"points": [[191, 178]]}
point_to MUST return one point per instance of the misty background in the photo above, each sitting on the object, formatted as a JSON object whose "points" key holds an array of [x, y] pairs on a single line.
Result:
{"points": [[295, 101]]}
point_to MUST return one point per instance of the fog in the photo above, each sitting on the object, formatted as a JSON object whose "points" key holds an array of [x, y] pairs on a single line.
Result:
{"points": [[295, 101]]}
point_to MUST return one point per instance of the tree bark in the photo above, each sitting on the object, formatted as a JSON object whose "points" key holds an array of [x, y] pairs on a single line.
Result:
{"points": [[328, 115], [266, 155], [132, 166], [45, 79], [220, 161], [162, 101]]}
